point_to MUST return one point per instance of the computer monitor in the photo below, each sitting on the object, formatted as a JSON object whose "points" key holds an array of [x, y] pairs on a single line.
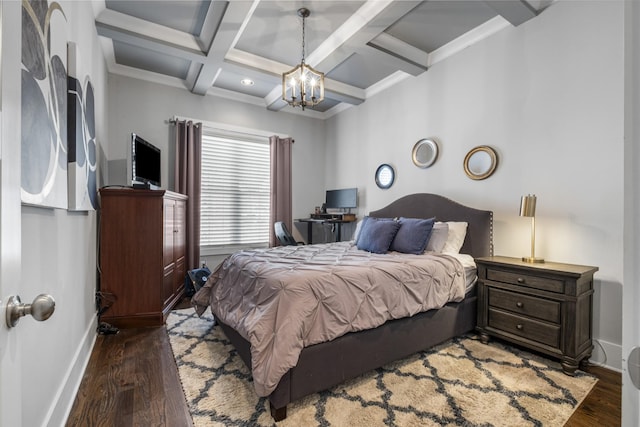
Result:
{"points": [[345, 198]]}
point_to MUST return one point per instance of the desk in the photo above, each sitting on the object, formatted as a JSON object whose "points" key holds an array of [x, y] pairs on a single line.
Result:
{"points": [[311, 221]]}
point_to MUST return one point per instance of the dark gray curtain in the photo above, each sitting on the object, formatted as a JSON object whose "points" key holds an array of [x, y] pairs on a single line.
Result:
{"points": [[187, 181], [280, 184]]}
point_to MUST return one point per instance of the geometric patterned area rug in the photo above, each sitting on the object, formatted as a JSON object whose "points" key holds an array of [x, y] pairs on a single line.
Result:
{"points": [[460, 382]]}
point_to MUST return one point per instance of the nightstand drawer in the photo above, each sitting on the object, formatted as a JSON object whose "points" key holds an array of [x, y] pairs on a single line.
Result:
{"points": [[543, 283], [524, 304], [527, 328]]}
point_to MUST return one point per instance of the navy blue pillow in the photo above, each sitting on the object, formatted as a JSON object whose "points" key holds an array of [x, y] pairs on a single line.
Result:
{"points": [[376, 234], [364, 221], [413, 235]]}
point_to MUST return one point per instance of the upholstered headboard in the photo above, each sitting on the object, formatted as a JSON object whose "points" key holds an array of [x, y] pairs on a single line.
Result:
{"points": [[479, 239]]}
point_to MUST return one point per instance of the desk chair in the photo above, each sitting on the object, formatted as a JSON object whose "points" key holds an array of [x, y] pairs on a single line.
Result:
{"points": [[283, 235]]}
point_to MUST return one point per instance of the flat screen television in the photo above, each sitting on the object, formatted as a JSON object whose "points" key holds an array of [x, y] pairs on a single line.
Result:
{"points": [[345, 198], [145, 163]]}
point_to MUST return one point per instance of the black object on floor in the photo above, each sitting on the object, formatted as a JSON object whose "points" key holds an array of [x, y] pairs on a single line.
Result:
{"points": [[106, 329], [195, 279]]}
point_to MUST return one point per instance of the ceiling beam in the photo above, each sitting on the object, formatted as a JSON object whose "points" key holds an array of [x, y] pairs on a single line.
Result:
{"points": [[380, 56], [160, 46], [233, 19], [481, 32], [516, 11], [147, 35], [136, 73], [402, 55], [211, 24], [371, 20]]}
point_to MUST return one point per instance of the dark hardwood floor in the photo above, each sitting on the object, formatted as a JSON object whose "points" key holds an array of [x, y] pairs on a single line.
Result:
{"points": [[602, 407], [132, 380]]}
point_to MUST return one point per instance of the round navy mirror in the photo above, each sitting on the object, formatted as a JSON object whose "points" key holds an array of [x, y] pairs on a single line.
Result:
{"points": [[385, 175]]}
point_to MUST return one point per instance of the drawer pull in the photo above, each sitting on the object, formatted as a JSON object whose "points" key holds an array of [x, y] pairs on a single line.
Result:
{"points": [[519, 326], [520, 280], [519, 304]]}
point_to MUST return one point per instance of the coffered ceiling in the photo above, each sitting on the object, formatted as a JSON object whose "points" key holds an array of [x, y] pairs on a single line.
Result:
{"points": [[363, 47]]}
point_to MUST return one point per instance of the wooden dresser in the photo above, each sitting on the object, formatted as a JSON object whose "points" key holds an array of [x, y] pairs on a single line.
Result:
{"points": [[545, 307], [142, 254]]}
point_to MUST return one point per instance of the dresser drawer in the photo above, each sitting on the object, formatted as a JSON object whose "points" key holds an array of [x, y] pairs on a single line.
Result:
{"points": [[524, 304], [524, 327], [543, 283]]}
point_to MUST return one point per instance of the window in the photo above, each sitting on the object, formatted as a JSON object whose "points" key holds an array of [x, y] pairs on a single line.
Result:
{"points": [[236, 191]]}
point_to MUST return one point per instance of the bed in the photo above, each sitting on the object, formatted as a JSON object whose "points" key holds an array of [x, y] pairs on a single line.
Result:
{"points": [[319, 364]]}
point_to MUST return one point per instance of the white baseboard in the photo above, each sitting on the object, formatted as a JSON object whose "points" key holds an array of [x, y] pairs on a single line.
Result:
{"points": [[607, 354], [66, 394]]}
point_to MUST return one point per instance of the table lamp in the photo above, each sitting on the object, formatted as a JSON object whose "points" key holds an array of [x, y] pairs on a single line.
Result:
{"points": [[528, 209]]}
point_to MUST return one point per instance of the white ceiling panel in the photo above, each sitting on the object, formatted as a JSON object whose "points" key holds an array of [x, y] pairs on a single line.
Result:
{"points": [[275, 29], [145, 59], [433, 24], [182, 15]]}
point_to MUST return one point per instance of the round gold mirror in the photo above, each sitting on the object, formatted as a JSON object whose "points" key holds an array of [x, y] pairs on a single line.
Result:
{"points": [[480, 162], [425, 153]]}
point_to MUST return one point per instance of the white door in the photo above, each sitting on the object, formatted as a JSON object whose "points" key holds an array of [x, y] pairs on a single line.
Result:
{"points": [[10, 211], [631, 289]]}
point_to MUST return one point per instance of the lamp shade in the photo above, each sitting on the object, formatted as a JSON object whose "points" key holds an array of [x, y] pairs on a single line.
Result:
{"points": [[528, 205], [528, 209]]}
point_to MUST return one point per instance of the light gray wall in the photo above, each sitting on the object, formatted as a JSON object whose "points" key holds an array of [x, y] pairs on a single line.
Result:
{"points": [[144, 108], [59, 258], [548, 96]]}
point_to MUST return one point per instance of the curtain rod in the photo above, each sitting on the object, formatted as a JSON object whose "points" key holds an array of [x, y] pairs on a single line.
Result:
{"points": [[174, 120], [232, 128]]}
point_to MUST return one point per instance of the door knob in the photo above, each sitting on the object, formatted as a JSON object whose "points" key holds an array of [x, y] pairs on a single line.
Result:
{"points": [[40, 309]]}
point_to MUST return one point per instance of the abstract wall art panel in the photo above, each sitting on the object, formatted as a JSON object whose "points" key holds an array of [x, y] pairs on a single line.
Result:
{"points": [[82, 137], [44, 105]]}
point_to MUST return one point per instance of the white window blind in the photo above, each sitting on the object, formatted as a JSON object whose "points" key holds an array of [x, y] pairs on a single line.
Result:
{"points": [[236, 190]]}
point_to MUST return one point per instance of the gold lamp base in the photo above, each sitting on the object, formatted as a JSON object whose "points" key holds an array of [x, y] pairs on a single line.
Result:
{"points": [[533, 260]]}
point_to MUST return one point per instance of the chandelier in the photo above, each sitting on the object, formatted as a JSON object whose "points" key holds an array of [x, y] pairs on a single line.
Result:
{"points": [[303, 86]]}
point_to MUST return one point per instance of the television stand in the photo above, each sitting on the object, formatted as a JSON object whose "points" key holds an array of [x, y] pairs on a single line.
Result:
{"points": [[142, 254]]}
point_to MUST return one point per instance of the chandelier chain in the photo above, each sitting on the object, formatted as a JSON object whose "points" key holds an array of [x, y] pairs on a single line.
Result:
{"points": [[303, 20]]}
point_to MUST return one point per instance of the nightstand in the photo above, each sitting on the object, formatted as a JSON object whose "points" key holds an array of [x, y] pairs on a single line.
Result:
{"points": [[545, 307]]}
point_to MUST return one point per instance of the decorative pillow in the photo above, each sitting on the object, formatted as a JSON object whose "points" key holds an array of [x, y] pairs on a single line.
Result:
{"points": [[438, 238], [412, 236], [376, 234], [356, 233], [360, 224], [359, 227], [455, 238]]}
